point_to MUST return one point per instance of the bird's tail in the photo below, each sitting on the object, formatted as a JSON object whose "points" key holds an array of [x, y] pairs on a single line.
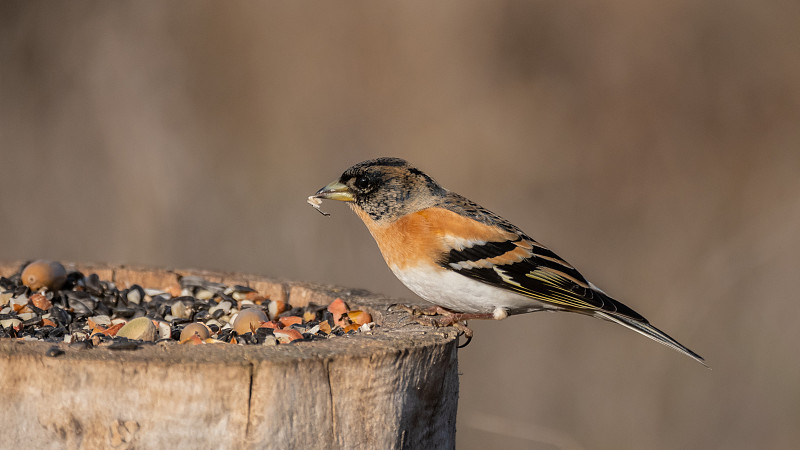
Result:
{"points": [[650, 331]]}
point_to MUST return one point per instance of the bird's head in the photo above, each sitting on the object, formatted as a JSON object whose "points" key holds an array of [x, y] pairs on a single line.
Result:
{"points": [[383, 188]]}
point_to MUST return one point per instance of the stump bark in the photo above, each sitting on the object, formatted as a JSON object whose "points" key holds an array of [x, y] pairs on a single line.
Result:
{"points": [[394, 388]]}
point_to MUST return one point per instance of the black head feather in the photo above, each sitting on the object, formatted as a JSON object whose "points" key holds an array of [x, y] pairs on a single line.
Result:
{"points": [[387, 188]]}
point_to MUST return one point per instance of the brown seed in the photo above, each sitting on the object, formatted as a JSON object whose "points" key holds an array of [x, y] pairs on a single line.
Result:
{"points": [[110, 331], [308, 316], [288, 321], [325, 327], [40, 301], [248, 320], [174, 290], [114, 329], [275, 307], [193, 340], [94, 321], [256, 298], [44, 274], [287, 335], [359, 317], [338, 308], [196, 329]]}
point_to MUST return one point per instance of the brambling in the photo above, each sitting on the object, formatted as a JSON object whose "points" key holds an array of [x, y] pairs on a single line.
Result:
{"points": [[466, 260]]}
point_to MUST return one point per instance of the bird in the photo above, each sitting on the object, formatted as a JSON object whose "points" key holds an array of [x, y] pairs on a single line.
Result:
{"points": [[467, 261]]}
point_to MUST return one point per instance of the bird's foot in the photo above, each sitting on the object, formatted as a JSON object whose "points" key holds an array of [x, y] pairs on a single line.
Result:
{"points": [[446, 318], [415, 310]]}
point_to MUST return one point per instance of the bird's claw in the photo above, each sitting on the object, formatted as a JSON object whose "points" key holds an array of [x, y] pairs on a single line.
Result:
{"points": [[424, 316], [465, 331]]}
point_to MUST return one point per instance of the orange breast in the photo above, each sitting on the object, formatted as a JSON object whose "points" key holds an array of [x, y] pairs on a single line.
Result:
{"points": [[420, 238]]}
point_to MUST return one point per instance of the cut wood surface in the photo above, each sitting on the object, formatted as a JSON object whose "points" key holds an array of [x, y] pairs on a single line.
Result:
{"points": [[395, 387]]}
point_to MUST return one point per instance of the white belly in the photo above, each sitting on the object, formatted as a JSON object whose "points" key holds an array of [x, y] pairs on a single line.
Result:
{"points": [[459, 293]]}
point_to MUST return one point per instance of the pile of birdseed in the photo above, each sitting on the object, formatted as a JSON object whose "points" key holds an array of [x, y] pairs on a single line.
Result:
{"points": [[45, 302]]}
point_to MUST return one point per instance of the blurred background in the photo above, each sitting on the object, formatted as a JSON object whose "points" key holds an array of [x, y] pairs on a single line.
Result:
{"points": [[655, 145]]}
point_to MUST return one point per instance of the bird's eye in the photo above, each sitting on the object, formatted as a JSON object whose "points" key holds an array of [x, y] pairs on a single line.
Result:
{"points": [[362, 183]]}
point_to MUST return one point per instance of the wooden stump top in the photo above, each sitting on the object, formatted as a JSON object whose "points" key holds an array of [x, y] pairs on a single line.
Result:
{"points": [[395, 387]]}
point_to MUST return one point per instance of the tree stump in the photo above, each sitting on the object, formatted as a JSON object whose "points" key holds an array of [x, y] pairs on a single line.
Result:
{"points": [[396, 387]]}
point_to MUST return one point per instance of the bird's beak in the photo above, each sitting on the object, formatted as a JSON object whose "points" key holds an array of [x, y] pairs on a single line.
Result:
{"points": [[335, 191]]}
